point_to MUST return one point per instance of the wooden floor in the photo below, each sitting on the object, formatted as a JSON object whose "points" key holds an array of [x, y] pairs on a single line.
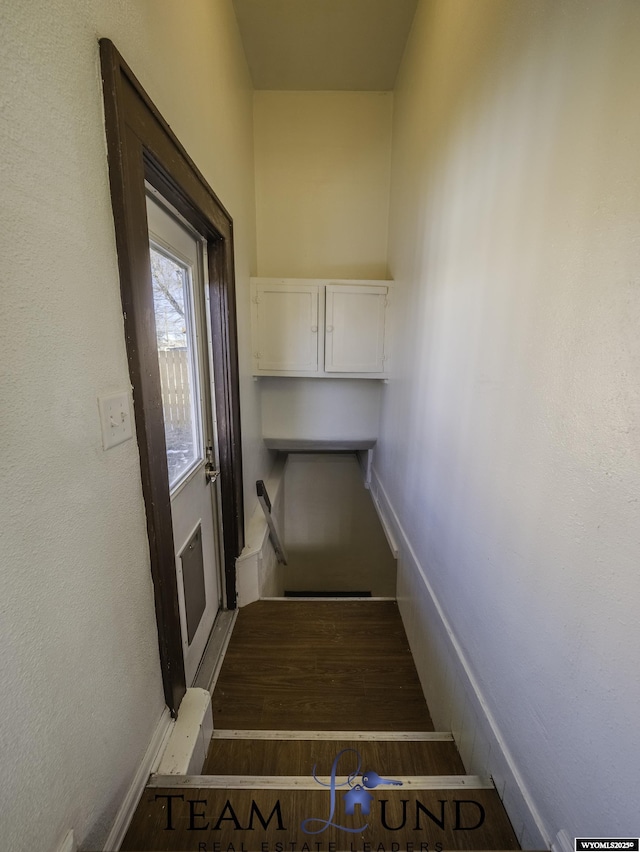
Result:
{"points": [[294, 670], [232, 821], [320, 665], [299, 757]]}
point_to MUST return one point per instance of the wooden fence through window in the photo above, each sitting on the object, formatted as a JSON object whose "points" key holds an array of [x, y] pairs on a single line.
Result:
{"points": [[176, 386]]}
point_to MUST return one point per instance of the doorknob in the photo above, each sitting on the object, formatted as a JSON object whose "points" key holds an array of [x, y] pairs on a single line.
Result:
{"points": [[210, 469], [211, 472]]}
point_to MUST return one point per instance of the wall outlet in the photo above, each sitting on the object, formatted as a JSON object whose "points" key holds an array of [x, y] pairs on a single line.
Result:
{"points": [[115, 419]]}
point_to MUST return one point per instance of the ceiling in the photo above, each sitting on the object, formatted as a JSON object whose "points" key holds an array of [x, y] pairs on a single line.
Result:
{"points": [[319, 45]]}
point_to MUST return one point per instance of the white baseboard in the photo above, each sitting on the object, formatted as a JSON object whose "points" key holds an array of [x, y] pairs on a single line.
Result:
{"points": [[384, 521], [69, 843], [148, 765], [562, 843], [453, 693]]}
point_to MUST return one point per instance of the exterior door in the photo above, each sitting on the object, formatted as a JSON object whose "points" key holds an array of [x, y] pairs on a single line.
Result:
{"points": [[179, 299]]}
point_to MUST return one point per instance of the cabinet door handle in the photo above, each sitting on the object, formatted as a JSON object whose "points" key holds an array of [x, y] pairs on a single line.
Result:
{"points": [[314, 328], [329, 328]]}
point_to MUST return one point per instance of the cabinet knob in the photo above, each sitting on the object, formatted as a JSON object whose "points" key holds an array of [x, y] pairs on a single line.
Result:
{"points": [[314, 328], [329, 328]]}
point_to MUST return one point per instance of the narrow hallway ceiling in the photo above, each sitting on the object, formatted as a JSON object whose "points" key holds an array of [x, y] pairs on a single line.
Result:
{"points": [[322, 45]]}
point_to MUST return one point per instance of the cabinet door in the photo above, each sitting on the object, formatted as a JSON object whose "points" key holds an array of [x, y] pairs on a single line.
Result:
{"points": [[354, 331], [286, 327]]}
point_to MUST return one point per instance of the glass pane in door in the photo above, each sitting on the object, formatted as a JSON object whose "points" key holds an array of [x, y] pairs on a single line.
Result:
{"points": [[175, 339]]}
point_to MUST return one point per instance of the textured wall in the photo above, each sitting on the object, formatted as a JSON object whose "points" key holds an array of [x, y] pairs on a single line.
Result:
{"points": [[81, 686], [322, 183], [320, 409], [333, 538], [509, 439], [203, 88]]}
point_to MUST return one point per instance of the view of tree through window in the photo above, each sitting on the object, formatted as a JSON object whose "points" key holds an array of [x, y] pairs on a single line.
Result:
{"points": [[173, 334]]}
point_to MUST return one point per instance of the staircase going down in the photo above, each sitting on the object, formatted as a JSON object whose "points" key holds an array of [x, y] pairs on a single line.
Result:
{"points": [[322, 762]]}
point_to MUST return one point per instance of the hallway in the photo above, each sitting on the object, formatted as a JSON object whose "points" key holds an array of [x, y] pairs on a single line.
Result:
{"points": [[326, 687], [491, 184]]}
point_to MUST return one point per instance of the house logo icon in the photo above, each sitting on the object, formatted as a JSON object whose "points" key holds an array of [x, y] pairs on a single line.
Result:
{"points": [[357, 797]]}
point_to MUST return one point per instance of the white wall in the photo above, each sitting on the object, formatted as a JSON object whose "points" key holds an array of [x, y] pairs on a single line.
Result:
{"points": [[81, 685], [320, 409], [333, 538], [322, 163], [322, 183], [509, 437]]}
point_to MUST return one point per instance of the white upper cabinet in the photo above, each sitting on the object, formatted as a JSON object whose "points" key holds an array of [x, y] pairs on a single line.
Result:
{"points": [[354, 329], [319, 328], [285, 328]]}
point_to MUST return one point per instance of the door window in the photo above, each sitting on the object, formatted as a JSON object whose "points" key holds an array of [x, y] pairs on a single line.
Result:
{"points": [[173, 307]]}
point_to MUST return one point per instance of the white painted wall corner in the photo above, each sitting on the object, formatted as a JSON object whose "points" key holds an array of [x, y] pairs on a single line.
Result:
{"points": [[365, 460]]}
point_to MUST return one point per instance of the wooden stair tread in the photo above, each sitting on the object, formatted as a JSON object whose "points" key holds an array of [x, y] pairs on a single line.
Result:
{"points": [[300, 682], [237, 781], [298, 757], [213, 819], [280, 734], [320, 665]]}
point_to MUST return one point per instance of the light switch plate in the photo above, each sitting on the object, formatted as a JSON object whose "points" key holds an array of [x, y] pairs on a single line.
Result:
{"points": [[115, 419]]}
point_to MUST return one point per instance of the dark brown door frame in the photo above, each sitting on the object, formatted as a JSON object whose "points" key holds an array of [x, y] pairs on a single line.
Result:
{"points": [[141, 146]]}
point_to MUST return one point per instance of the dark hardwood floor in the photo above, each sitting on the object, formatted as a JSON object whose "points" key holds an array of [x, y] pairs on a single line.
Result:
{"points": [[320, 665], [298, 757], [342, 666], [415, 821]]}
